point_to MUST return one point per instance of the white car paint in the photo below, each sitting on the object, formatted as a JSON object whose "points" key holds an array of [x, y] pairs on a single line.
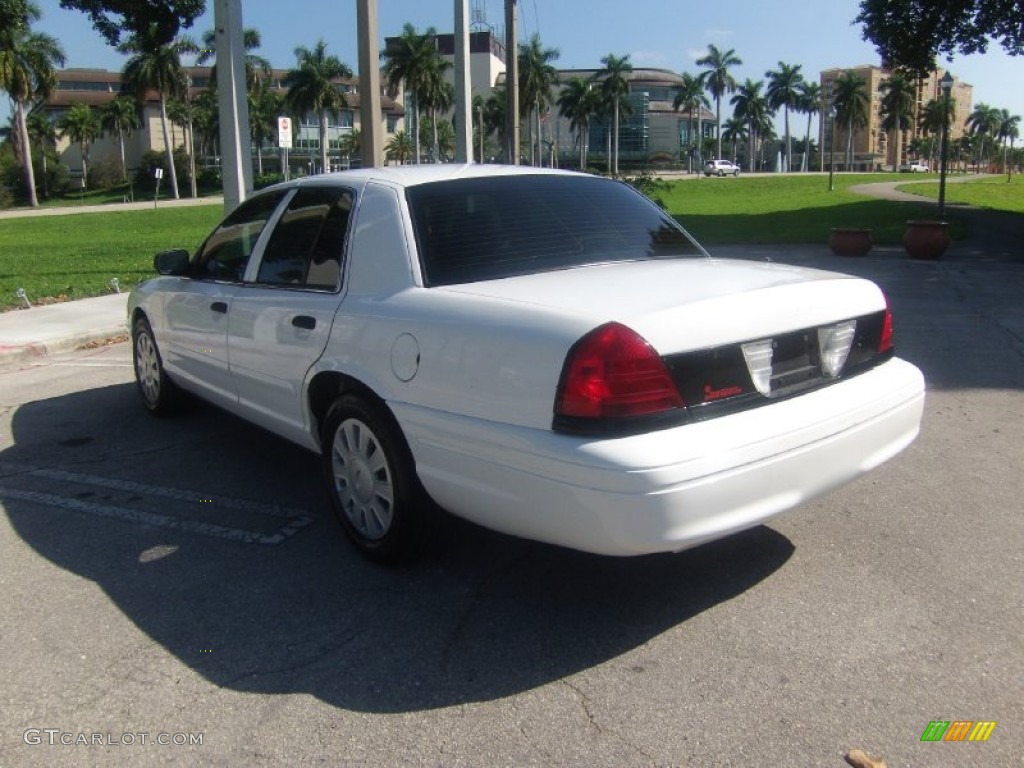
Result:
{"points": [[470, 372]]}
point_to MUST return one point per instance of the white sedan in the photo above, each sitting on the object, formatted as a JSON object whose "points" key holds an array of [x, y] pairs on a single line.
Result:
{"points": [[545, 353]]}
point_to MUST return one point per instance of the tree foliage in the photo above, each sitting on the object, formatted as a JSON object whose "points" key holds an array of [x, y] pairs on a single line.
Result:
{"points": [[116, 18], [911, 33]]}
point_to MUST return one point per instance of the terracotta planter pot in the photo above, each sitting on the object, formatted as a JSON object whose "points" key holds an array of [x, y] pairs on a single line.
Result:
{"points": [[926, 239], [850, 241]]}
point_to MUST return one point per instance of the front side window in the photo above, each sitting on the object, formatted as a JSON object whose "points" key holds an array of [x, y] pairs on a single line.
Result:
{"points": [[305, 249], [226, 252], [490, 228]]}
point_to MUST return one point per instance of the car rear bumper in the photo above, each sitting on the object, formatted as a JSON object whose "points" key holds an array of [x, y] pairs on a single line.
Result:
{"points": [[672, 489]]}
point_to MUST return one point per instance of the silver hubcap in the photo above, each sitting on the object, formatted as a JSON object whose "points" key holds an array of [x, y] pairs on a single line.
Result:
{"points": [[147, 367], [362, 479]]}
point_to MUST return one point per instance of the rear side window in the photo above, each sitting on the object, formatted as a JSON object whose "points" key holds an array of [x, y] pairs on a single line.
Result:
{"points": [[226, 252], [306, 246], [488, 228]]}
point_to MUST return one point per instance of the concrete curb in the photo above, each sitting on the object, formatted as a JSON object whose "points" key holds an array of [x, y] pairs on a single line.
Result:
{"points": [[17, 353]]}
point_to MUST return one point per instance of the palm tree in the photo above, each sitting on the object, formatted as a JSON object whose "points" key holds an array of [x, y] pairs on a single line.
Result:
{"points": [[935, 114], [265, 104], [156, 66], [577, 102], [120, 117], [1009, 129], [852, 102], [312, 88], [183, 112], [690, 96], [42, 132], [718, 81], [28, 63], [734, 131], [409, 62], [750, 105], [206, 121], [614, 77], [810, 104], [983, 122], [351, 144], [436, 94], [82, 126], [257, 68], [494, 114], [536, 77], [899, 94], [784, 91], [399, 147]]}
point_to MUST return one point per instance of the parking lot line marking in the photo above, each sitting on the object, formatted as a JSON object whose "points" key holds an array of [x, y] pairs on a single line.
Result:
{"points": [[152, 518], [176, 494]]}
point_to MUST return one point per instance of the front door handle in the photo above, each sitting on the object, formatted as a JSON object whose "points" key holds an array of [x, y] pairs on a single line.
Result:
{"points": [[220, 306], [304, 321]]}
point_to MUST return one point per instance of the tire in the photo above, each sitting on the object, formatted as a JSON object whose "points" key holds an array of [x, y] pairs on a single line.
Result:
{"points": [[736, 173], [160, 395], [371, 479], [721, 174]]}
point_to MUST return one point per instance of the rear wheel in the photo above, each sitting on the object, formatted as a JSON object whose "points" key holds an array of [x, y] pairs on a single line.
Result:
{"points": [[159, 394], [372, 482]]}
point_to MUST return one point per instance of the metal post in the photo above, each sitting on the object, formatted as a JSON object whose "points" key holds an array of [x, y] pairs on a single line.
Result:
{"points": [[371, 138], [463, 98], [511, 85], [236, 160]]}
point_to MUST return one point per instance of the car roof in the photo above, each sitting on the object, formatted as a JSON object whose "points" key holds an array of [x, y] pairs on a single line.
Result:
{"points": [[413, 175]]}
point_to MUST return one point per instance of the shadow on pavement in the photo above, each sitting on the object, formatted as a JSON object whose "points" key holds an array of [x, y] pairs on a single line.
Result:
{"points": [[485, 617]]}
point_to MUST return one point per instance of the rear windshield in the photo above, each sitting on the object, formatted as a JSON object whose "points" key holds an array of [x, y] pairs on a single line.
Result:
{"points": [[488, 228]]}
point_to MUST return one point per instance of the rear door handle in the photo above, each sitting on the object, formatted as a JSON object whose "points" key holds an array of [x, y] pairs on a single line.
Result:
{"points": [[220, 306], [304, 321]]}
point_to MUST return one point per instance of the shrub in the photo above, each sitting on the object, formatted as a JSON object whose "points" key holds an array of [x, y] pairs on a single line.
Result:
{"points": [[6, 197], [150, 161], [266, 179], [104, 174]]}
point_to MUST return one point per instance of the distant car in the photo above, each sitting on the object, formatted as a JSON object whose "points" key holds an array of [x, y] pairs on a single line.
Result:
{"points": [[721, 168], [548, 354], [915, 166]]}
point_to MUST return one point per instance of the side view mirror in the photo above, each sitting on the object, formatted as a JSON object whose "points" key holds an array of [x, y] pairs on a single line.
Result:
{"points": [[174, 262]]}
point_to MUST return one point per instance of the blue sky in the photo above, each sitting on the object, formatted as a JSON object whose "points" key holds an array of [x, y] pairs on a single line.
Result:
{"points": [[669, 34]]}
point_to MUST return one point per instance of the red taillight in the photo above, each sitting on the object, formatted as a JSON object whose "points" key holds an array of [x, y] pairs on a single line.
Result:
{"points": [[613, 372], [885, 341]]}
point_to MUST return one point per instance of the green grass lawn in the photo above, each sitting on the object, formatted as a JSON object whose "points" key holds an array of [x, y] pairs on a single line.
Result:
{"points": [[75, 256], [988, 192], [790, 209]]}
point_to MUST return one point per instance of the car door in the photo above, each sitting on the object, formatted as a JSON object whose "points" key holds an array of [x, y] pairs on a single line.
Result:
{"points": [[280, 321], [196, 313]]}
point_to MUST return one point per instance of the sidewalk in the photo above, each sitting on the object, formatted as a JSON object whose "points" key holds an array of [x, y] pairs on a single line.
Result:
{"points": [[52, 328]]}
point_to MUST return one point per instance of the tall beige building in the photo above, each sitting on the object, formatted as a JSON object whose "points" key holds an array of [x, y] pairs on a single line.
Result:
{"points": [[872, 145]]}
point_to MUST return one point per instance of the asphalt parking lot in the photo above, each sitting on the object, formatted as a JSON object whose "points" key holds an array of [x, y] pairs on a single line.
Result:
{"points": [[180, 581]]}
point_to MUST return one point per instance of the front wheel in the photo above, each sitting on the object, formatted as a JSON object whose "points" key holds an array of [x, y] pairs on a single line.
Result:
{"points": [[159, 394], [372, 482]]}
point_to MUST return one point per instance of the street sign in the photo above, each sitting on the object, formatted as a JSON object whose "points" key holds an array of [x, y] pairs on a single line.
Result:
{"points": [[284, 132]]}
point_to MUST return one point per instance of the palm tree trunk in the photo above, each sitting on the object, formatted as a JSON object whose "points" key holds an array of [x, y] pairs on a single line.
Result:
{"points": [[433, 125], [42, 151], [616, 136], [416, 126], [191, 161], [718, 126], [323, 142], [805, 162], [124, 167], [168, 148], [30, 174], [789, 141], [753, 143], [83, 148]]}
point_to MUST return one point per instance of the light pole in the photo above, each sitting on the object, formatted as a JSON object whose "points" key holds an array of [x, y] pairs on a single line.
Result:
{"points": [[947, 85], [832, 147]]}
